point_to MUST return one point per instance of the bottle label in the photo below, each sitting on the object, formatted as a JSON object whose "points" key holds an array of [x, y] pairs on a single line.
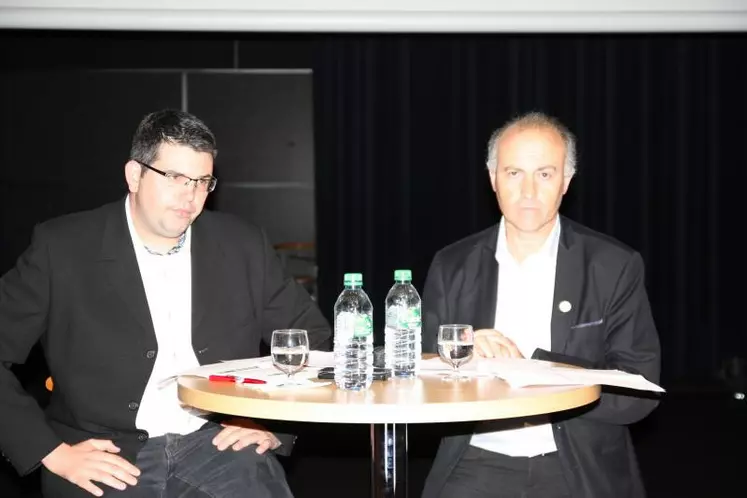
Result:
{"points": [[351, 325], [401, 317], [363, 326]]}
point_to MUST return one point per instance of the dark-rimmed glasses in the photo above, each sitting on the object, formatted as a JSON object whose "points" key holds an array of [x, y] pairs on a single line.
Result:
{"points": [[204, 184]]}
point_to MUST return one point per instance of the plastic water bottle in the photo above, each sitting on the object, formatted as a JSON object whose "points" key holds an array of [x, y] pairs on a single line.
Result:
{"points": [[353, 336], [402, 335]]}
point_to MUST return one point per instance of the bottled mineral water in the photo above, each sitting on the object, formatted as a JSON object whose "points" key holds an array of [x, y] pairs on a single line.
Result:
{"points": [[353, 336], [402, 335]]}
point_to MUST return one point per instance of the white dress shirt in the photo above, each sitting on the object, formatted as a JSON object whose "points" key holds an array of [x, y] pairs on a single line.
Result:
{"points": [[523, 313], [168, 287]]}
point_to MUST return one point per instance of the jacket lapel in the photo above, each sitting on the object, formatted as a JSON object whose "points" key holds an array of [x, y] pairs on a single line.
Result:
{"points": [[485, 278], [487, 283], [205, 252], [119, 264], [569, 278]]}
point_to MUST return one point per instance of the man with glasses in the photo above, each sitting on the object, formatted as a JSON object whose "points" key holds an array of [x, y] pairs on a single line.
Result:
{"points": [[124, 297]]}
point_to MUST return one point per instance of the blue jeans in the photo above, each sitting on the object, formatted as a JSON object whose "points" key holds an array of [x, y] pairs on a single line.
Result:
{"points": [[189, 466]]}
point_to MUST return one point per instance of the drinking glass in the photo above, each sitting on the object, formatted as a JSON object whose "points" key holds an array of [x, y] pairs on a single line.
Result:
{"points": [[456, 343], [290, 350]]}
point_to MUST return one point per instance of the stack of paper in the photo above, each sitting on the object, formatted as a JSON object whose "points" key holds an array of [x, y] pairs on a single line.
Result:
{"points": [[229, 367], [521, 373], [264, 373]]}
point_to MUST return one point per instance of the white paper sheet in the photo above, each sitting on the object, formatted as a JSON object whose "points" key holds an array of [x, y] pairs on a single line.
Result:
{"points": [[321, 359], [521, 373], [229, 367], [263, 369]]}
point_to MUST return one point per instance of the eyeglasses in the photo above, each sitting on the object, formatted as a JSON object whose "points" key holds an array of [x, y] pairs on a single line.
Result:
{"points": [[204, 184]]}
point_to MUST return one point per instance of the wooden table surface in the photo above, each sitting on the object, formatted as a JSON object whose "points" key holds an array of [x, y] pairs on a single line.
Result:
{"points": [[424, 399]]}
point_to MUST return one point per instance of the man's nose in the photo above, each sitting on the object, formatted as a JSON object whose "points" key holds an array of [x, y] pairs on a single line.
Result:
{"points": [[528, 188], [189, 190]]}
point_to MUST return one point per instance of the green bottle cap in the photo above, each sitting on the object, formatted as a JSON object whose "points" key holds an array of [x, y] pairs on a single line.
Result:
{"points": [[403, 275], [353, 279]]}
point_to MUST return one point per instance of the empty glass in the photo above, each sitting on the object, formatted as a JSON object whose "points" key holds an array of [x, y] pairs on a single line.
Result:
{"points": [[456, 343], [290, 350]]}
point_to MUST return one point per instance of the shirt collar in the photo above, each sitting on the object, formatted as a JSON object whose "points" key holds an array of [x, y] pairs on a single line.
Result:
{"points": [[548, 251], [182, 247]]}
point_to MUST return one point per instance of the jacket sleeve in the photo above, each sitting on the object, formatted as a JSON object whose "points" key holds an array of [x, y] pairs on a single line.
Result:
{"points": [[25, 436], [434, 306], [632, 345], [288, 305]]}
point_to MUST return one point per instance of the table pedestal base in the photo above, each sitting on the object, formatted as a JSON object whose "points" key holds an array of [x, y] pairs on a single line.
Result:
{"points": [[389, 460]]}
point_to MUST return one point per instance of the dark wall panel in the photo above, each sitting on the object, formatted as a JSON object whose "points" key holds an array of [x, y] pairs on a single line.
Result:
{"points": [[65, 140], [286, 214], [265, 120], [117, 49]]}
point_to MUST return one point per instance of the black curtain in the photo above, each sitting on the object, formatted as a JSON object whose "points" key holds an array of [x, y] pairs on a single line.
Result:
{"points": [[401, 125], [401, 128]]}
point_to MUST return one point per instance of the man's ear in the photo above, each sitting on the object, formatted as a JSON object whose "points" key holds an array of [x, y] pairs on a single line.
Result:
{"points": [[133, 173], [566, 183], [491, 173]]}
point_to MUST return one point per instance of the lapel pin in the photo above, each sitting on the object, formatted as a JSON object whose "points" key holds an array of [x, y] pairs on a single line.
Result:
{"points": [[564, 306]]}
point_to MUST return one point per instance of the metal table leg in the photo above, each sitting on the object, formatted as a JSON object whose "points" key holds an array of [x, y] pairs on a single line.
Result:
{"points": [[389, 460]]}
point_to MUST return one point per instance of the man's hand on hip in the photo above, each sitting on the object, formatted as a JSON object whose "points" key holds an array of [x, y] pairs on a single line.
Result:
{"points": [[240, 433], [92, 460]]}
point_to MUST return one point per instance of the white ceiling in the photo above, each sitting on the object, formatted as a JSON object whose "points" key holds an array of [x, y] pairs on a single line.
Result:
{"points": [[379, 15]]}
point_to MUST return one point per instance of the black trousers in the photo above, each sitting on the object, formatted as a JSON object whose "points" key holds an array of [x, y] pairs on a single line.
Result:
{"points": [[484, 474]]}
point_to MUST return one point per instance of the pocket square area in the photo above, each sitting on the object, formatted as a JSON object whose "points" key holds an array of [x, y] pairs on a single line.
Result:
{"points": [[588, 324]]}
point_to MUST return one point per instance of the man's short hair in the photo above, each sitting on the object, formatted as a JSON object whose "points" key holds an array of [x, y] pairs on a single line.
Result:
{"points": [[173, 127], [535, 120]]}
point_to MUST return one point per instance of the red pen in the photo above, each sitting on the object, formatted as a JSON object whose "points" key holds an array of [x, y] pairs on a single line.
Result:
{"points": [[237, 380]]}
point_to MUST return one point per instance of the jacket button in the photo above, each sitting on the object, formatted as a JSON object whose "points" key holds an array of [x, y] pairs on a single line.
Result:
{"points": [[134, 405], [142, 437], [150, 354]]}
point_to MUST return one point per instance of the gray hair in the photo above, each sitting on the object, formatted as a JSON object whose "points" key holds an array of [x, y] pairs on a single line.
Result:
{"points": [[535, 120]]}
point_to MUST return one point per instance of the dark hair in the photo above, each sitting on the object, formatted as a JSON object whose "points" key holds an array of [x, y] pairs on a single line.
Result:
{"points": [[173, 127]]}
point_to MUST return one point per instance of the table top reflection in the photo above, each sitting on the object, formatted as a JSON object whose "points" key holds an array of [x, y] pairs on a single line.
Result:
{"points": [[424, 399]]}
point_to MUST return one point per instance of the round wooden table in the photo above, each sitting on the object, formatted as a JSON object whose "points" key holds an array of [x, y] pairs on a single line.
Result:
{"points": [[388, 406]]}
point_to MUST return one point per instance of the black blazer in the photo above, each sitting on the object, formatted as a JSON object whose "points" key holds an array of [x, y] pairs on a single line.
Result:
{"points": [[609, 326], [78, 289]]}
